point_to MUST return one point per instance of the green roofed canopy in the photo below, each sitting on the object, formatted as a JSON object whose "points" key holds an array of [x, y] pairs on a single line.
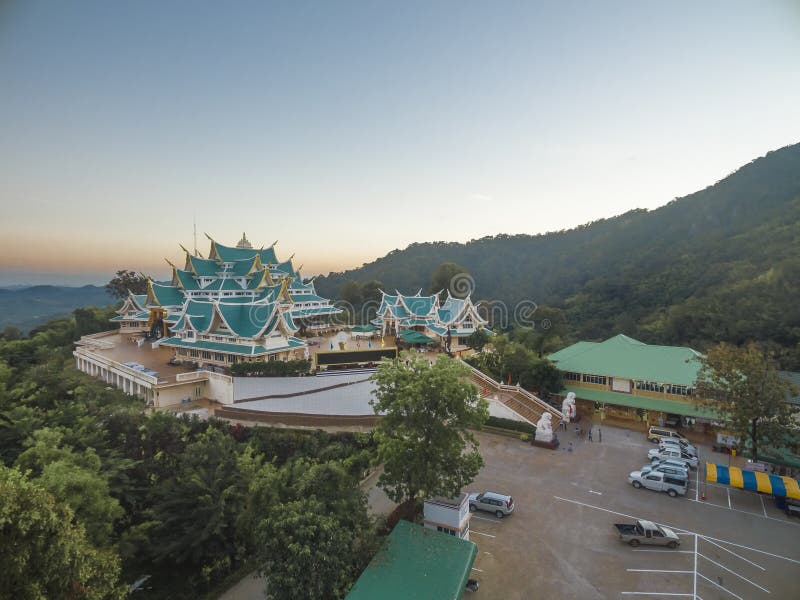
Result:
{"points": [[415, 337], [417, 563], [675, 407], [621, 356]]}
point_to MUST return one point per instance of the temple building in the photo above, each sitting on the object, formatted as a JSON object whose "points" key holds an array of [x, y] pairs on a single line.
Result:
{"points": [[422, 319], [240, 304]]}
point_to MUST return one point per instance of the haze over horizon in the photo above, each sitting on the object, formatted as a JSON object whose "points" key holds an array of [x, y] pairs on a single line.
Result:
{"points": [[348, 130]]}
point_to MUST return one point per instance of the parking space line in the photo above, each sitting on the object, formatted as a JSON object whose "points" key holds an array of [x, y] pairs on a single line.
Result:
{"points": [[729, 498], [733, 572], [764, 508], [734, 553], [657, 594], [745, 512], [485, 534], [719, 586], [664, 551], [694, 577], [484, 519], [656, 571], [705, 537]]}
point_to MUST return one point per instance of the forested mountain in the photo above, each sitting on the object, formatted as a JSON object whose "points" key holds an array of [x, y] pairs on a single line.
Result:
{"points": [[722, 264], [27, 307]]}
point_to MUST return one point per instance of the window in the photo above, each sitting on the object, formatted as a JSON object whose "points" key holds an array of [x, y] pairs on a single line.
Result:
{"points": [[598, 379], [650, 386], [206, 355], [679, 390], [569, 376], [218, 356]]}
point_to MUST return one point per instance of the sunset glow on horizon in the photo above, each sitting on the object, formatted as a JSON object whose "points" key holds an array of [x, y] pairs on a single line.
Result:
{"points": [[348, 130]]}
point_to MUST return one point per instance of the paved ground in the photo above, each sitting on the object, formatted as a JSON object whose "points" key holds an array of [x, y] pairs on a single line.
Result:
{"points": [[559, 542]]}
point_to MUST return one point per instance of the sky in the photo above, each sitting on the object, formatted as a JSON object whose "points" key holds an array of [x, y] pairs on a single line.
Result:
{"points": [[348, 129]]}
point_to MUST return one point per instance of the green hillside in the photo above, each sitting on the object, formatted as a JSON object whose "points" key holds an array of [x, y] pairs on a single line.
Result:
{"points": [[28, 307], [720, 264]]}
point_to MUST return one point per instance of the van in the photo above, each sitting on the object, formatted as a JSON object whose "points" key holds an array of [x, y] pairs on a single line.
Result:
{"points": [[654, 434]]}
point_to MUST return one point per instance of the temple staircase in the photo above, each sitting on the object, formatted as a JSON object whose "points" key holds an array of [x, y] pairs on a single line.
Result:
{"points": [[528, 406]]}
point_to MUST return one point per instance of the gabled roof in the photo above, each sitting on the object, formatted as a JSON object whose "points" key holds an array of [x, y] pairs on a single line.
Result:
{"points": [[415, 562], [622, 356], [202, 267], [163, 295], [242, 268], [249, 320], [259, 279], [455, 309], [421, 306], [184, 279], [196, 315]]}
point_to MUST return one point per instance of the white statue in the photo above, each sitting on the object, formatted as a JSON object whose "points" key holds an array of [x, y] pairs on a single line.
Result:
{"points": [[544, 428], [568, 407]]}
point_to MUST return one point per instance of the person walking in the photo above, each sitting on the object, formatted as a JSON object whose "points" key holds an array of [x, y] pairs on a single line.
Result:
{"points": [[590, 434], [599, 436]]}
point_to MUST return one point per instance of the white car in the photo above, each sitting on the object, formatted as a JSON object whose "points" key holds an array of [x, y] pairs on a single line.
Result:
{"points": [[660, 454], [659, 482]]}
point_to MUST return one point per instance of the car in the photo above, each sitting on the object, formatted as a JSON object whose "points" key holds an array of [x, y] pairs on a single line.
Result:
{"points": [[680, 471], [654, 434], [499, 504], [679, 443], [672, 462], [664, 444], [647, 532], [659, 482], [670, 453]]}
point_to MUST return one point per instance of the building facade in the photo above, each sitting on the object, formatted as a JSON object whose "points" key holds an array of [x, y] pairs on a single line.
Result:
{"points": [[625, 379], [240, 304], [422, 319]]}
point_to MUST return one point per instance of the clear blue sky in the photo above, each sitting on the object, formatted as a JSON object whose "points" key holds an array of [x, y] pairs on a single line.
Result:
{"points": [[348, 129]]}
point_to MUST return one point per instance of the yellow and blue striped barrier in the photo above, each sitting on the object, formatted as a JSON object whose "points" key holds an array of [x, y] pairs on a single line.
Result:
{"points": [[755, 481]]}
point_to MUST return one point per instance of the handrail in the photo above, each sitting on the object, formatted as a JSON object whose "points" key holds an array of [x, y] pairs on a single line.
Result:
{"points": [[513, 389]]}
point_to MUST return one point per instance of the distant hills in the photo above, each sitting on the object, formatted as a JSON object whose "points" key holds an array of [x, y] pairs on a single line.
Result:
{"points": [[722, 264], [28, 307]]}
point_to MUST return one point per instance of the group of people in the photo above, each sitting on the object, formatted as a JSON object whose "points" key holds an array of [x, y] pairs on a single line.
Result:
{"points": [[579, 432]]}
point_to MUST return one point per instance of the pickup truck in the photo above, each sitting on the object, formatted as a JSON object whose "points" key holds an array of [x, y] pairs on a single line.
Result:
{"points": [[647, 532]]}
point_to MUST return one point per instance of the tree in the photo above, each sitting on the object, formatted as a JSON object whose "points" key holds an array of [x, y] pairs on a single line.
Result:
{"points": [[193, 520], [453, 277], [127, 281], [478, 339], [351, 292], [742, 385], [44, 553], [424, 439], [304, 553]]}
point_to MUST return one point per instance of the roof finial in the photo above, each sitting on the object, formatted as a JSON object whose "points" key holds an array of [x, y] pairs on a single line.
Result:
{"points": [[244, 242]]}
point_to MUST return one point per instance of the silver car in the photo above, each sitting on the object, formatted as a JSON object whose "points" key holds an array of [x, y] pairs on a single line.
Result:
{"points": [[499, 504], [679, 471], [677, 443]]}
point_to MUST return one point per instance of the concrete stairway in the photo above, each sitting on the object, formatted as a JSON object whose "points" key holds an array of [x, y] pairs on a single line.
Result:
{"points": [[528, 406]]}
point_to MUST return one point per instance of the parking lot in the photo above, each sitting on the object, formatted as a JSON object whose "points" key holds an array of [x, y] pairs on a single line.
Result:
{"points": [[559, 542]]}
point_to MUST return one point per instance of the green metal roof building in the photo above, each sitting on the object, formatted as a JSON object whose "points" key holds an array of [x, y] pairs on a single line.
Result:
{"points": [[417, 563], [625, 372]]}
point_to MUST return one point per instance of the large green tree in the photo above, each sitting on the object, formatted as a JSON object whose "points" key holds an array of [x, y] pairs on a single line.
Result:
{"points": [[44, 554], [127, 281], [743, 386], [424, 438], [304, 552]]}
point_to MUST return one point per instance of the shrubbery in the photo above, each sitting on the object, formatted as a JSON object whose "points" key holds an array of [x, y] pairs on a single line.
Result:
{"points": [[275, 368]]}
